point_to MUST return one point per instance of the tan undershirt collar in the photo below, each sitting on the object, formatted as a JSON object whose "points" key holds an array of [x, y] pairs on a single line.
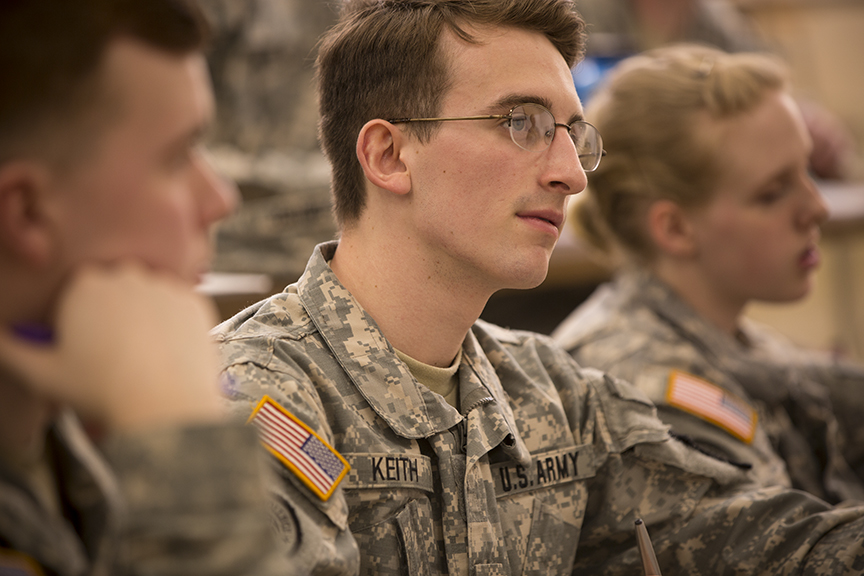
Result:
{"points": [[443, 381]]}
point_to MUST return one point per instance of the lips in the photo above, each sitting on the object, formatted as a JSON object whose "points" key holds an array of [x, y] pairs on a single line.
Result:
{"points": [[553, 217], [809, 258]]}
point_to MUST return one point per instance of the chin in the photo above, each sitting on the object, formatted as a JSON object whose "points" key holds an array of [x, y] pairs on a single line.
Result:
{"points": [[521, 271], [802, 290], [789, 295], [527, 279]]}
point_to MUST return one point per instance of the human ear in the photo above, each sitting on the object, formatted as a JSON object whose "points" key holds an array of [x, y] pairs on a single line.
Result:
{"points": [[379, 149], [24, 234], [670, 229]]}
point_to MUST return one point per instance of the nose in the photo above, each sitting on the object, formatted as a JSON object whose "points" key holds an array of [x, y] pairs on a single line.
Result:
{"points": [[565, 174], [217, 197], [815, 211]]}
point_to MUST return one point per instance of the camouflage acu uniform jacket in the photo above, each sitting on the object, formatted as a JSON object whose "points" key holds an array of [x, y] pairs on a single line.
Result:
{"points": [[542, 471], [175, 502], [763, 402]]}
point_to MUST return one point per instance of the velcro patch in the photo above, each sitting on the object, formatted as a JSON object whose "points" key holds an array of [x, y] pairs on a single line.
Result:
{"points": [[547, 469], [309, 456], [712, 403], [13, 563], [397, 470]]}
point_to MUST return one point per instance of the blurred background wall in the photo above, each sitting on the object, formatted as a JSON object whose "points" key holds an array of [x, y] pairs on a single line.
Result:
{"points": [[264, 138]]}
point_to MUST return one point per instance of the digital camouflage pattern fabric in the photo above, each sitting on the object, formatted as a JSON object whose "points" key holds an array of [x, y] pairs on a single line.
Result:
{"points": [[543, 470], [172, 502], [638, 329]]}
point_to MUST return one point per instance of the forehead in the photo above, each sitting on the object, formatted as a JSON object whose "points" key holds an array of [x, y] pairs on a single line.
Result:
{"points": [[159, 95], [762, 142], [505, 62]]}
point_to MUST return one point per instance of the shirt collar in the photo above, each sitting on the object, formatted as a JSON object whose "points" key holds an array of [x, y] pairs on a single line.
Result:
{"points": [[354, 338]]}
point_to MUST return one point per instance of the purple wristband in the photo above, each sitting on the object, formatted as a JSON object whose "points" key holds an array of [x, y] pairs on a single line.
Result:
{"points": [[37, 333]]}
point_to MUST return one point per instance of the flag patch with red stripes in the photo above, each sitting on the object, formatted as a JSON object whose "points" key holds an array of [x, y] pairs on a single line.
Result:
{"points": [[310, 457], [710, 402]]}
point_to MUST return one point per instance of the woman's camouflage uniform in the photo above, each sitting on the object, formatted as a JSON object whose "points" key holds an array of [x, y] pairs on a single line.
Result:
{"points": [[638, 329]]}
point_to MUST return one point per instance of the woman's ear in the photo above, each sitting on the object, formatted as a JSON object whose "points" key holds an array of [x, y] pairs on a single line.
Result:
{"points": [[24, 231], [671, 230], [379, 149]]}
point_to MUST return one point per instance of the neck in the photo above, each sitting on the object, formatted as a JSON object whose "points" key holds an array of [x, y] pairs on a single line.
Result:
{"points": [[423, 311], [24, 417], [27, 296], [701, 294], [24, 422]]}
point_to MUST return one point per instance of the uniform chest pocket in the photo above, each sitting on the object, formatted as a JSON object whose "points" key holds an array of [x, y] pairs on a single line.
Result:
{"points": [[541, 507], [416, 529], [551, 546], [391, 515], [541, 531], [404, 543]]}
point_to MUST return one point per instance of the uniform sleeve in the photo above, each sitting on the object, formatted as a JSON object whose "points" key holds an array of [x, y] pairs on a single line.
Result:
{"points": [[845, 384], [725, 531], [705, 517], [315, 531], [193, 503]]}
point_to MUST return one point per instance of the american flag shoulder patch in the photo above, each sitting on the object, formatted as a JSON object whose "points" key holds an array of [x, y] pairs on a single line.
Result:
{"points": [[307, 455], [712, 403]]}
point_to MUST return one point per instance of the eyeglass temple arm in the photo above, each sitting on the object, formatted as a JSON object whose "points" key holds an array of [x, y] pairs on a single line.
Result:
{"points": [[405, 120]]}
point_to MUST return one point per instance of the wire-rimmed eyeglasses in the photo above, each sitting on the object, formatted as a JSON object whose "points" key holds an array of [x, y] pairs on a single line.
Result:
{"points": [[532, 128]]}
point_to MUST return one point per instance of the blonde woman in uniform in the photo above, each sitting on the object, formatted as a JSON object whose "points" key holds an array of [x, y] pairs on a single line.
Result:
{"points": [[706, 195]]}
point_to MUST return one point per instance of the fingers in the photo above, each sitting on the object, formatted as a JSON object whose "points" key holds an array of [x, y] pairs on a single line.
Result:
{"points": [[130, 349], [142, 339]]}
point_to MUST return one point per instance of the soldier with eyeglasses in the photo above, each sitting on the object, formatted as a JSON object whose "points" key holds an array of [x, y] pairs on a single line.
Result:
{"points": [[408, 436]]}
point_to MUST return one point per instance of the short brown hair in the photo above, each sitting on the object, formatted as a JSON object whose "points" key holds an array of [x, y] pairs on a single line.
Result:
{"points": [[652, 113], [50, 52], [382, 60]]}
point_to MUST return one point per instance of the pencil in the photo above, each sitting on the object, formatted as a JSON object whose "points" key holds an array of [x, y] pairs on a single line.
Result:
{"points": [[649, 560]]}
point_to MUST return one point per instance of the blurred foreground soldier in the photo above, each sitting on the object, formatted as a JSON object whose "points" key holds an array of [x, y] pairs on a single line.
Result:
{"points": [[105, 206], [456, 137], [710, 199]]}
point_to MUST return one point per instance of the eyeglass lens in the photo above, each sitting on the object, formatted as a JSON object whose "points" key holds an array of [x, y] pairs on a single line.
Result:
{"points": [[532, 127]]}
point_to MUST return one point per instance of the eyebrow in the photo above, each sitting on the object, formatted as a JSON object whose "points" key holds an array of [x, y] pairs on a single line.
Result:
{"points": [[511, 100], [781, 175], [190, 138]]}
